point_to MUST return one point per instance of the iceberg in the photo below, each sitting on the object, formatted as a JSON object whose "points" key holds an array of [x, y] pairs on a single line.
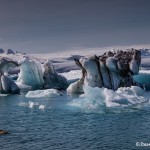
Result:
{"points": [[100, 99], [43, 93], [7, 86], [31, 74], [52, 79], [110, 70]]}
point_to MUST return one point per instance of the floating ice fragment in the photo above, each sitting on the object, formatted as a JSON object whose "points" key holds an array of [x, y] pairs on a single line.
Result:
{"points": [[41, 107], [43, 93], [31, 104], [4, 94], [22, 104]]}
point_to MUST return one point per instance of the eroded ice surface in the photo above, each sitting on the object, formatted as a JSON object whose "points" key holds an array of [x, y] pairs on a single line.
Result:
{"points": [[43, 93]]}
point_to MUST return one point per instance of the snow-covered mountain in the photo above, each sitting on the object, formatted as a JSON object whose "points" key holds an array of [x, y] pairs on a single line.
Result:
{"points": [[64, 61], [8, 51], [1, 51]]}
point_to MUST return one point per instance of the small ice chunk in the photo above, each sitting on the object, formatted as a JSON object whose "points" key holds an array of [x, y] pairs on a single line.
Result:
{"points": [[41, 107], [31, 104], [22, 104], [43, 93], [4, 94], [133, 90]]}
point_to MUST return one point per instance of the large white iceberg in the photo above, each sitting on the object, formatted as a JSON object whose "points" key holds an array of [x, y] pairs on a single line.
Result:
{"points": [[43, 93]]}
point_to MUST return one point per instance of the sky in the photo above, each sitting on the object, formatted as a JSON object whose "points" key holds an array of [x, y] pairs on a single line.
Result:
{"points": [[44, 26]]}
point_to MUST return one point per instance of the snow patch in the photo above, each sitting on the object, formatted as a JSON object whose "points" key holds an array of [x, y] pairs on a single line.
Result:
{"points": [[72, 75]]}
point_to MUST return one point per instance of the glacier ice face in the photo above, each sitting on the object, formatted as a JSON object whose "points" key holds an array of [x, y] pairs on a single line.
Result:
{"points": [[31, 74], [92, 77], [115, 77], [43, 93], [102, 98], [134, 67]]}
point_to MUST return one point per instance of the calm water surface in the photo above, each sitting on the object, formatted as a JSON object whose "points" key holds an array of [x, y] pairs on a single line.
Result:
{"points": [[63, 127]]}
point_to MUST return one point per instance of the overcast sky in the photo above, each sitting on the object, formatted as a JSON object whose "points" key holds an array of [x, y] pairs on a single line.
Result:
{"points": [[43, 26]]}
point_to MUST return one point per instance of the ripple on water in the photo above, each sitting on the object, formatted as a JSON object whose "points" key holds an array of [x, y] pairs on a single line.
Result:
{"points": [[61, 126]]}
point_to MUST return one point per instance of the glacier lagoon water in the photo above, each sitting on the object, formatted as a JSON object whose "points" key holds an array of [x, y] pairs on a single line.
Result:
{"points": [[60, 126]]}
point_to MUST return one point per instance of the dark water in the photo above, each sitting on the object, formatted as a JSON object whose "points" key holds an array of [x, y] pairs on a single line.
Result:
{"points": [[59, 126]]}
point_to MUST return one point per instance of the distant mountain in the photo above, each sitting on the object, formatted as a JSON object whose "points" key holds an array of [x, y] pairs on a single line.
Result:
{"points": [[74, 57], [144, 52], [9, 51], [1, 51]]}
